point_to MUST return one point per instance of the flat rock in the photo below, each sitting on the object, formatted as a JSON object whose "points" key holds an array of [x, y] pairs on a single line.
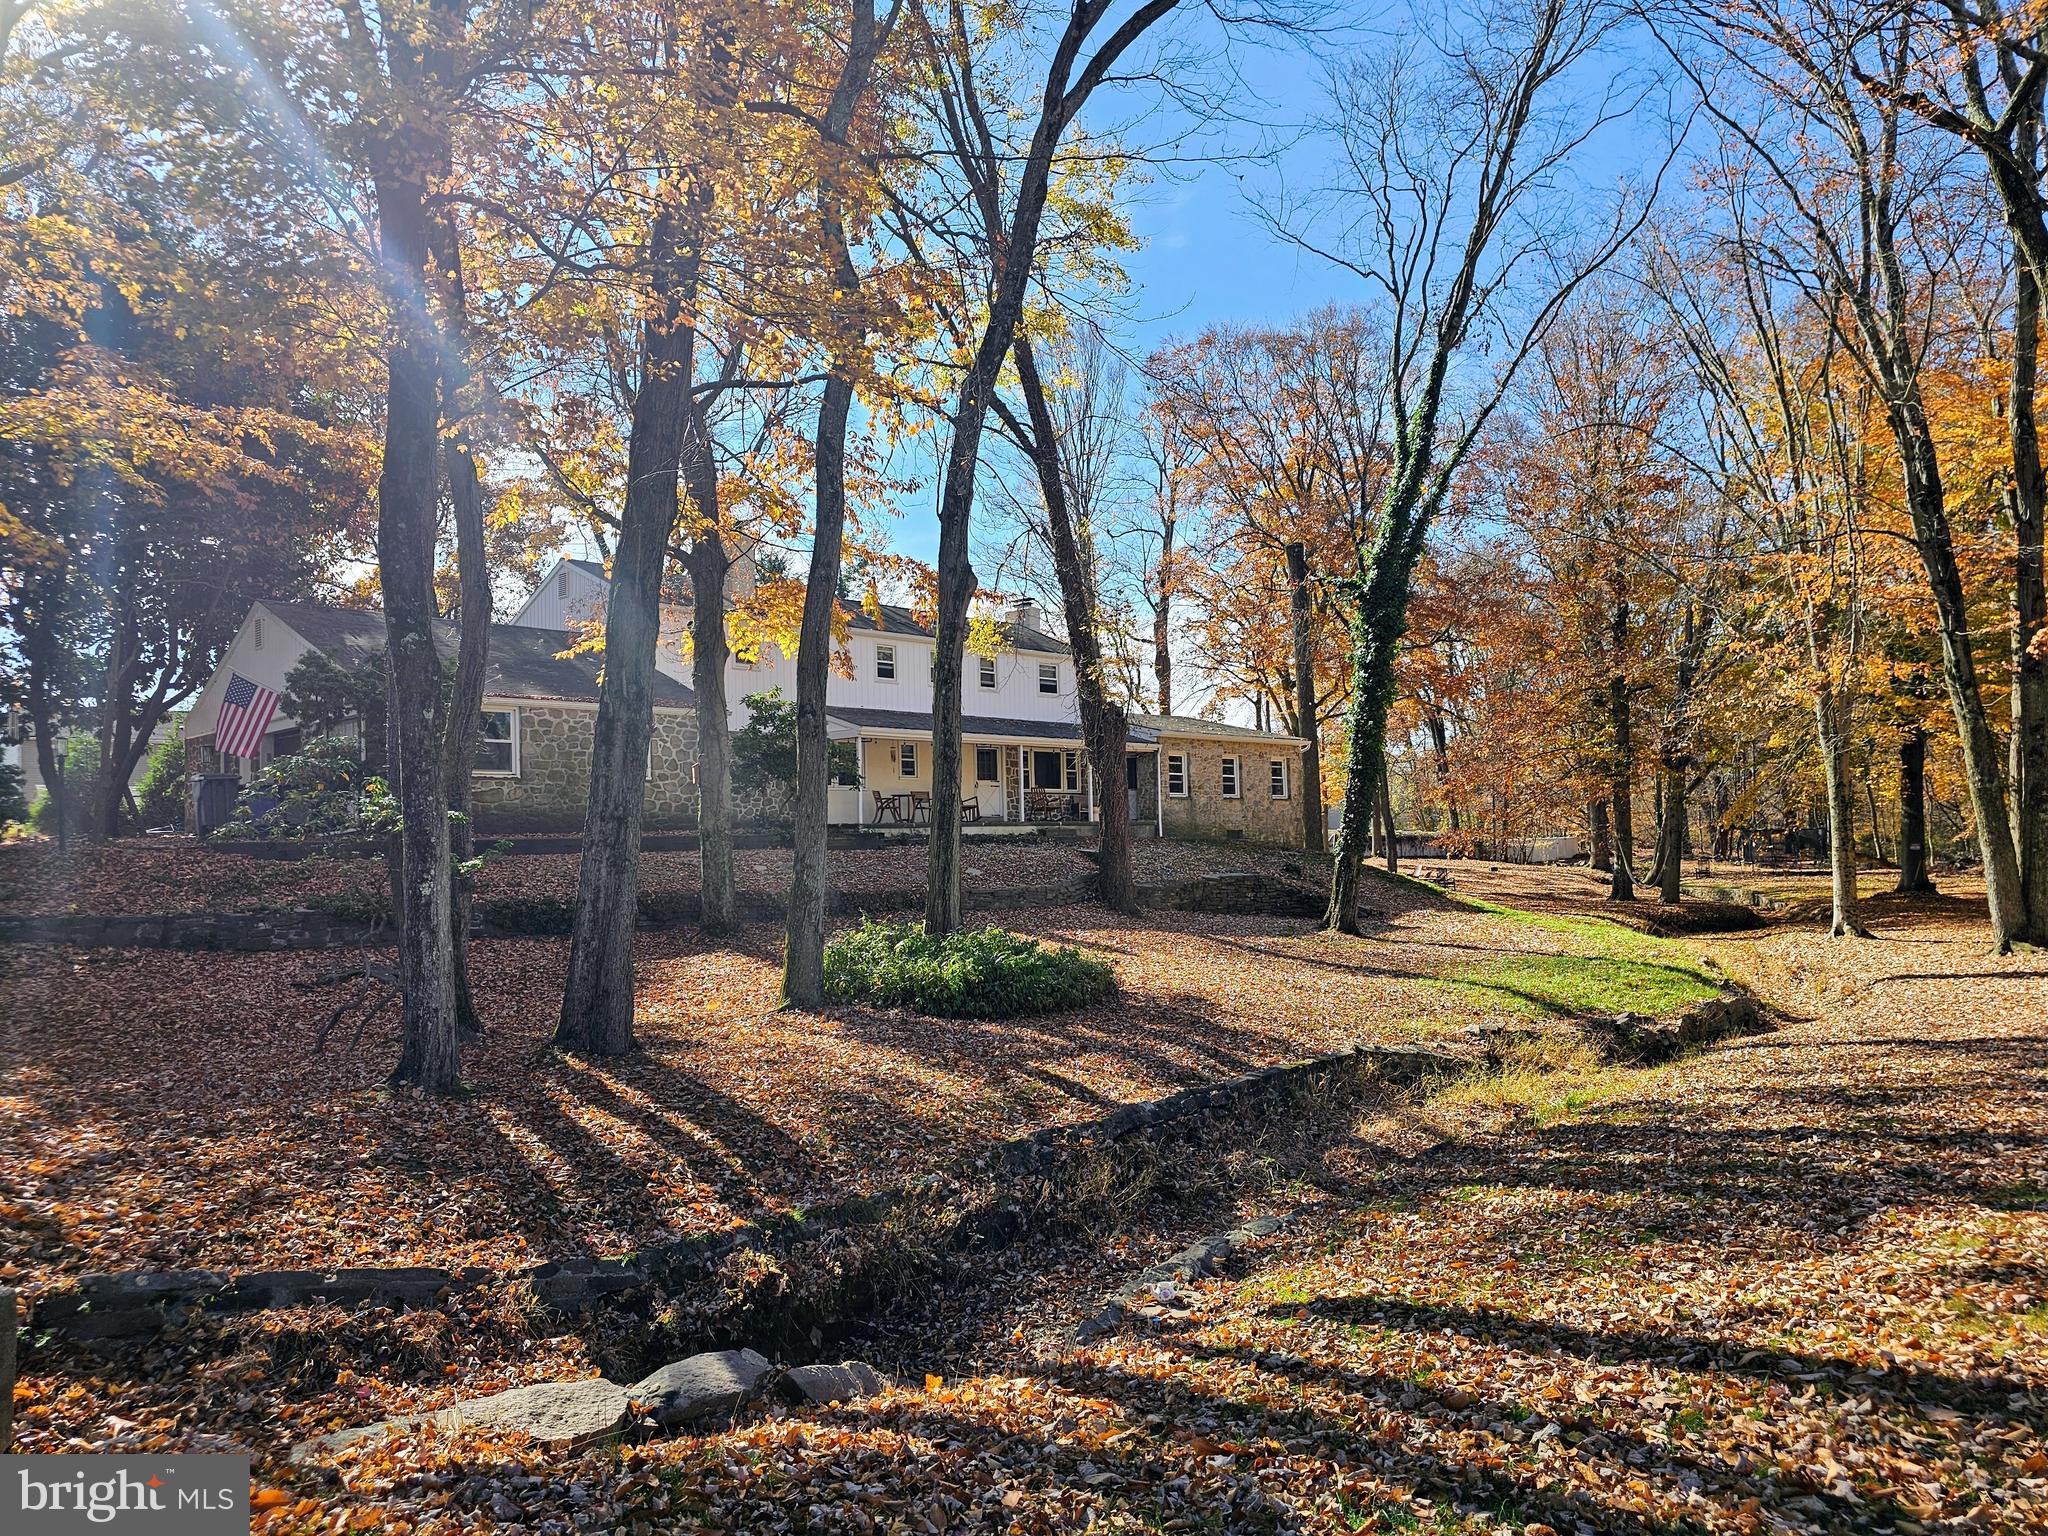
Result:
{"points": [[563, 1415], [701, 1385], [832, 1383]]}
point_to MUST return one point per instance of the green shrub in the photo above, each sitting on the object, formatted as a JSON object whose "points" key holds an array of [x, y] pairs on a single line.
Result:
{"points": [[980, 973], [314, 793], [160, 799], [13, 803]]}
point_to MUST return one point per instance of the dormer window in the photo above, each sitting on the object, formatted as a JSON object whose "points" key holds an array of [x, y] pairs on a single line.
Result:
{"points": [[885, 663], [988, 671]]}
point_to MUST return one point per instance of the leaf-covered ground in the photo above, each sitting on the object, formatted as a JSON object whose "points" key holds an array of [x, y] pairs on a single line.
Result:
{"points": [[1793, 1285], [180, 874], [168, 1110]]}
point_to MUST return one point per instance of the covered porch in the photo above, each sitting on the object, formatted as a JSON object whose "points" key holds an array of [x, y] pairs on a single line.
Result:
{"points": [[1013, 774]]}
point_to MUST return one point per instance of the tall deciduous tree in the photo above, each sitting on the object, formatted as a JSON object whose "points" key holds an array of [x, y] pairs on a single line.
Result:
{"points": [[1440, 210], [1813, 96], [1009, 185]]}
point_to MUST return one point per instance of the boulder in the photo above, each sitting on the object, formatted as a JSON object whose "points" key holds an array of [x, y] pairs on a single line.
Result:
{"points": [[684, 1391], [562, 1415], [832, 1383]]}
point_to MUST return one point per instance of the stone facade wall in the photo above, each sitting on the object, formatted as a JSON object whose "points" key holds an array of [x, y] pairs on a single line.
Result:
{"points": [[553, 782], [1254, 814]]}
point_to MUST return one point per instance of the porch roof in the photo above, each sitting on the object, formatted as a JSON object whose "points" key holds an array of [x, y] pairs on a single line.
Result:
{"points": [[844, 724]]}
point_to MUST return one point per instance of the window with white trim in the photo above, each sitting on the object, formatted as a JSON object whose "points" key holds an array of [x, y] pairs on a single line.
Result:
{"points": [[1177, 775], [1048, 677], [1278, 769], [1230, 778], [906, 760], [885, 663], [1073, 771], [497, 749], [988, 671]]}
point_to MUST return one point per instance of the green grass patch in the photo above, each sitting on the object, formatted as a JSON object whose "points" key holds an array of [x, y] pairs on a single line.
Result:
{"points": [[1542, 1080], [977, 973], [1578, 986]]}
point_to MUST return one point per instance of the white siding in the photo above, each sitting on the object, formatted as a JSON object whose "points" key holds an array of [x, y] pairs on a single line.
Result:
{"points": [[568, 596], [264, 651], [1016, 695]]}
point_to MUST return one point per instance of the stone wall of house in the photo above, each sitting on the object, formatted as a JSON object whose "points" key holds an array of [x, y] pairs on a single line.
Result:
{"points": [[1254, 814], [553, 782]]}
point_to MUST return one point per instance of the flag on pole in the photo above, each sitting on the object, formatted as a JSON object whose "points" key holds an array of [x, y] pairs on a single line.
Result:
{"points": [[244, 717]]}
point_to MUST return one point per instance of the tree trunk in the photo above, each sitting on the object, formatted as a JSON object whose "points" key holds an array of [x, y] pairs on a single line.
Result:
{"points": [[1378, 618], [473, 643], [1914, 876], [803, 955], [1671, 837], [2029, 491], [1104, 730], [597, 999], [708, 564], [1831, 716], [1621, 791], [1388, 830], [1162, 619], [1981, 765], [466, 702], [429, 1056], [1440, 742], [1301, 609], [1602, 838]]}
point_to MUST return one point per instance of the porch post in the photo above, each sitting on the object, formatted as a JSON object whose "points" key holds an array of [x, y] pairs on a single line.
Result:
{"points": [[860, 777], [1088, 783], [1159, 786]]}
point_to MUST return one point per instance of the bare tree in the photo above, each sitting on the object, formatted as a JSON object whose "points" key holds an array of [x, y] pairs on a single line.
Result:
{"points": [[1008, 187], [1070, 438], [1441, 209]]}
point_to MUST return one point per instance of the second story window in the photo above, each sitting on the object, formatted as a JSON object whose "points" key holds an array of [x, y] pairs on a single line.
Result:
{"points": [[885, 663], [988, 671], [1048, 677]]}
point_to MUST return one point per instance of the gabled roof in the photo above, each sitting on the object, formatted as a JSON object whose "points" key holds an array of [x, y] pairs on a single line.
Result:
{"points": [[898, 620], [524, 662], [1207, 730]]}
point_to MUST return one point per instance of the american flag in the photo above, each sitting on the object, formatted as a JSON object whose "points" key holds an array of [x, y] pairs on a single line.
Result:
{"points": [[244, 717]]}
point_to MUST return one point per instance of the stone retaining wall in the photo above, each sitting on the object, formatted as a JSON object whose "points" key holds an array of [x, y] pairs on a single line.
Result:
{"points": [[136, 1304], [1237, 892], [313, 928], [986, 1206]]}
